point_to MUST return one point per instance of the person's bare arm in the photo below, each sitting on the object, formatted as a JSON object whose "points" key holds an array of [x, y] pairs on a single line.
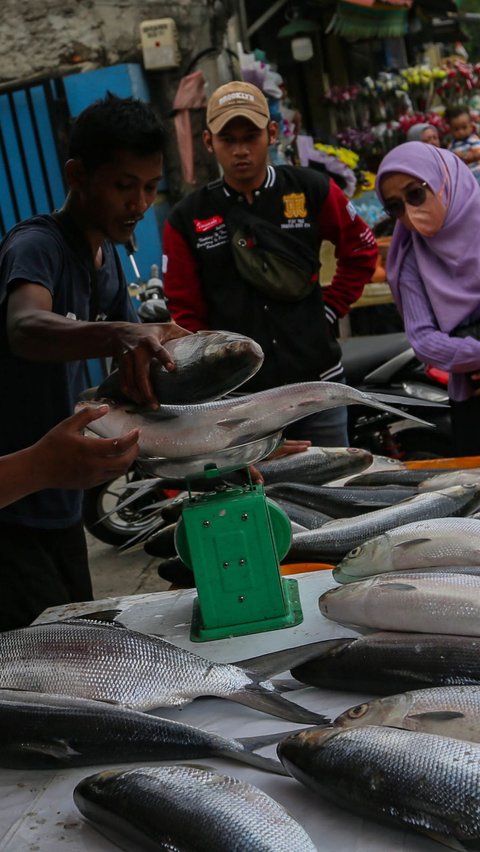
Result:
{"points": [[65, 458], [36, 333]]}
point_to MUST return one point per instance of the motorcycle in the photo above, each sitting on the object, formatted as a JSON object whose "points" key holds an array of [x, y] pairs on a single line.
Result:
{"points": [[386, 363]]}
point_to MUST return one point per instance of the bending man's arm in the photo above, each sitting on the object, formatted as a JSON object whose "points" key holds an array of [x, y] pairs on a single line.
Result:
{"points": [[36, 333]]}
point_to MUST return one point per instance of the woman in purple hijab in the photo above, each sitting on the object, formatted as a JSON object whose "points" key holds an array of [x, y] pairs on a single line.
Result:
{"points": [[433, 268]]}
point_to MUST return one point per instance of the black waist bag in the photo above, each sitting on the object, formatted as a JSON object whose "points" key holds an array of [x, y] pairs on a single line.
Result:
{"points": [[279, 265], [471, 330]]}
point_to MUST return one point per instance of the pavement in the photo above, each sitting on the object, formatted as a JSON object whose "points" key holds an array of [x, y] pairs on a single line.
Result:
{"points": [[116, 572]]}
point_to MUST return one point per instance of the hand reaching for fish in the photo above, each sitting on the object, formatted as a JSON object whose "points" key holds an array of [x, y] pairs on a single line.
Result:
{"points": [[65, 458], [136, 346]]}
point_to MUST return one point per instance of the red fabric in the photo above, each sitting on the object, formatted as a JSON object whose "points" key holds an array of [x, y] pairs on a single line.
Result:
{"points": [[190, 95], [355, 250], [181, 283], [356, 253]]}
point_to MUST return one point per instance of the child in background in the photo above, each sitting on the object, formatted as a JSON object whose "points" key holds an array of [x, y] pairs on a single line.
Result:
{"points": [[465, 143]]}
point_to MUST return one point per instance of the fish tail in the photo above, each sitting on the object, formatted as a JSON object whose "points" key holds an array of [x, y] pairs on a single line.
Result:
{"points": [[252, 744], [372, 400], [263, 667], [275, 704], [246, 754]]}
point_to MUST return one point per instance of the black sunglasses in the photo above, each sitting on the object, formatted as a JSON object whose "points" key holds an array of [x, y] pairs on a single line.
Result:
{"points": [[415, 196]]}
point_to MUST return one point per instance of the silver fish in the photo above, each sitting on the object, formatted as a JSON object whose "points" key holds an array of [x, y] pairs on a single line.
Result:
{"points": [[316, 465], [307, 518], [341, 502], [208, 365], [39, 731], [113, 663], [383, 663], [420, 602], [421, 781], [422, 544], [183, 431], [396, 476], [451, 711], [335, 539], [450, 477], [187, 808]]}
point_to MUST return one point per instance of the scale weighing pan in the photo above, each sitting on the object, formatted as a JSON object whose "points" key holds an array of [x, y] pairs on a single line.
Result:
{"points": [[224, 461]]}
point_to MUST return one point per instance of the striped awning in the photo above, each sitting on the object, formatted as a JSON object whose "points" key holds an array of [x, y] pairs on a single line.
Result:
{"points": [[357, 20]]}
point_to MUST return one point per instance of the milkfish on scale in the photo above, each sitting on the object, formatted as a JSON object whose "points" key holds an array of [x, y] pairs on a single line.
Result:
{"points": [[432, 543], [416, 601], [208, 365], [450, 711], [186, 431], [40, 731], [92, 659], [383, 663], [183, 808], [335, 539], [414, 780]]}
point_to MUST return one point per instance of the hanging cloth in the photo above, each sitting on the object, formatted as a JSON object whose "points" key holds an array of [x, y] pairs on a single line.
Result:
{"points": [[190, 95]]}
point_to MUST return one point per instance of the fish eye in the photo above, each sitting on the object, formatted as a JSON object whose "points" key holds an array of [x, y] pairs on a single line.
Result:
{"points": [[358, 711], [355, 552]]}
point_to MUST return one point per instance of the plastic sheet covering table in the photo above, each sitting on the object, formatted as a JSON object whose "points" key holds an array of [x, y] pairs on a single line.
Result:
{"points": [[37, 813]]}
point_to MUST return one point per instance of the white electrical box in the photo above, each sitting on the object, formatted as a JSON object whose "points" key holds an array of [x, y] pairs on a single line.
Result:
{"points": [[160, 44]]}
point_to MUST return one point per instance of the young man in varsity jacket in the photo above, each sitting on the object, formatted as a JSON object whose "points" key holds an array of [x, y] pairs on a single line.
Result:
{"points": [[203, 286]]}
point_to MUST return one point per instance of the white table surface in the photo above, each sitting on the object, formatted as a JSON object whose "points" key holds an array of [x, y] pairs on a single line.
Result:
{"points": [[37, 813]]}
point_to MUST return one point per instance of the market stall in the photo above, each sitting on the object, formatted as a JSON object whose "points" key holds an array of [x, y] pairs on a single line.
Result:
{"points": [[36, 808]]}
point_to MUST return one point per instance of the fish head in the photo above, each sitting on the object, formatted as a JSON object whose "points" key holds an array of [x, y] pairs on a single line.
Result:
{"points": [[372, 557], [297, 752], [228, 349], [390, 711], [224, 359]]}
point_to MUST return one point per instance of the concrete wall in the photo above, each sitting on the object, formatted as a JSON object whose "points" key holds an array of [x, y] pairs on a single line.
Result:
{"points": [[49, 38], [39, 37]]}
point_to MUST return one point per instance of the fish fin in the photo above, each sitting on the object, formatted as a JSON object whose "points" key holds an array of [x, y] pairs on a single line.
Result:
{"points": [[437, 715], [155, 416], [412, 541], [275, 704], [287, 684], [371, 399], [57, 749], [399, 587], [396, 399], [282, 661], [101, 616]]}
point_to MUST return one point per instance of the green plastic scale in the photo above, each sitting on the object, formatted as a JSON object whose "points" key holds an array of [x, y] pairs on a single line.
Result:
{"points": [[233, 539]]}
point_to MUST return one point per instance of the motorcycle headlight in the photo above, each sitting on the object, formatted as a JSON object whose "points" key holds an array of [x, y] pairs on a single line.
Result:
{"points": [[425, 392]]}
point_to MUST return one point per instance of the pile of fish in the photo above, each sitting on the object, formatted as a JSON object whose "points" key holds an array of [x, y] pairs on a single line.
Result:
{"points": [[78, 692], [405, 549]]}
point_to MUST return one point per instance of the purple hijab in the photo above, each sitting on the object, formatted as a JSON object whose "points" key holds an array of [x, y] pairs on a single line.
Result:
{"points": [[448, 262]]}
